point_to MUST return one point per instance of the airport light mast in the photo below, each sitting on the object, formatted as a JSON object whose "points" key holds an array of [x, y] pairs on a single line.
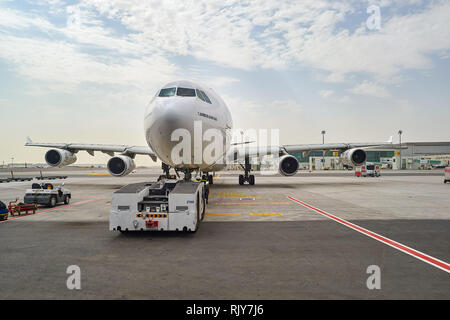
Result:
{"points": [[400, 143], [323, 151]]}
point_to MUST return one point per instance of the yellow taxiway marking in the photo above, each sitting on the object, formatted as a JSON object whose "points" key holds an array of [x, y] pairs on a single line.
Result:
{"points": [[238, 214], [230, 193], [222, 214], [240, 196], [248, 203], [266, 214], [99, 174]]}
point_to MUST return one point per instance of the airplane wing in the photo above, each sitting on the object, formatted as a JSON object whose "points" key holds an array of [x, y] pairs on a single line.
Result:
{"points": [[242, 151], [91, 148], [288, 164], [335, 146]]}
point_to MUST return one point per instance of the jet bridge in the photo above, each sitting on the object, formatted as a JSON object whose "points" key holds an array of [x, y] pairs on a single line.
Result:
{"points": [[166, 205]]}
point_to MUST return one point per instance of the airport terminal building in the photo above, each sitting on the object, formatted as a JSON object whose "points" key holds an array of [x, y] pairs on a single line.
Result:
{"points": [[410, 155]]}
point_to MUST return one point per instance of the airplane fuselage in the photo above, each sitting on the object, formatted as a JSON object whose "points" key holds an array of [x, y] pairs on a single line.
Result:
{"points": [[174, 108]]}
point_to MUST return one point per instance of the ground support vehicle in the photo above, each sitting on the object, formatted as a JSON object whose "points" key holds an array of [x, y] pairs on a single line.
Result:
{"points": [[47, 194], [166, 205], [21, 208]]}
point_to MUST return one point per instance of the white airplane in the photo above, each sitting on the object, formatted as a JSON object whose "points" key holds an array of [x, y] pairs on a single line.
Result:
{"points": [[179, 105]]}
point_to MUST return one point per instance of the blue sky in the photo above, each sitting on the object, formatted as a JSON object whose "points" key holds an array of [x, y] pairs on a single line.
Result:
{"points": [[83, 71]]}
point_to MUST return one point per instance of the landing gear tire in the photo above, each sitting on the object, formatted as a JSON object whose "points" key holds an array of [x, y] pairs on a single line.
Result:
{"points": [[246, 177], [66, 200], [210, 179], [187, 175]]}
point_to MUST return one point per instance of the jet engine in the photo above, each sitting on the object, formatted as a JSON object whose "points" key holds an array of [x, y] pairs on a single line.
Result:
{"points": [[59, 158], [354, 157], [288, 165], [121, 165]]}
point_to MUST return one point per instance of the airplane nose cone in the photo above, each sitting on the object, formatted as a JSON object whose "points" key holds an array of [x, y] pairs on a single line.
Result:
{"points": [[176, 115], [167, 117]]}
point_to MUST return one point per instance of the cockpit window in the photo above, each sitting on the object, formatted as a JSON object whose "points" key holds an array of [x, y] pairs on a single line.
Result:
{"points": [[167, 92], [205, 96], [200, 95], [185, 92]]}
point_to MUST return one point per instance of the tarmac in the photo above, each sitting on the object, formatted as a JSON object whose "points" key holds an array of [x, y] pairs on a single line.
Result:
{"points": [[311, 236]]}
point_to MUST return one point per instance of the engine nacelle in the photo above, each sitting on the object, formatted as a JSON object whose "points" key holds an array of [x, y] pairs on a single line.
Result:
{"points": [[354, 157], [59, 158], [288, 165], [121, 165]]}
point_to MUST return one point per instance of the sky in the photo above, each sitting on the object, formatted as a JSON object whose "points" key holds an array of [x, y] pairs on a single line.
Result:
{"points": [[83, 71]]}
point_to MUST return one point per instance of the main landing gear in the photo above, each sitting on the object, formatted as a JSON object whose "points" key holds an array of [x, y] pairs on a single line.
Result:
{"points": [[246, 177], [166, 170], [209, 177]]}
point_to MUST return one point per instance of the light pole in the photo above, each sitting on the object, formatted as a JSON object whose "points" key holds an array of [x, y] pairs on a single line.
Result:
{"points": [[323, 151], [400, 143]]}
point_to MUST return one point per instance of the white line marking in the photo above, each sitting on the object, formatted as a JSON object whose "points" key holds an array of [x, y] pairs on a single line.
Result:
{"points": [[412, 252]]}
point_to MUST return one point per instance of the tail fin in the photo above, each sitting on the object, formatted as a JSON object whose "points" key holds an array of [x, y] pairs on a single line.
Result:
{"points": [[29, 141], [390, 140]]}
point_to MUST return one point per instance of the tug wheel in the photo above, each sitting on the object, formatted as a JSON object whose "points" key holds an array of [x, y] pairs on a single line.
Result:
{"points": [[52, 202]]}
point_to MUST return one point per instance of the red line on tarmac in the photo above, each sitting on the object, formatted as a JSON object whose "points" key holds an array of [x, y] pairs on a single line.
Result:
{"points": [[412, 252], [52, 209]]}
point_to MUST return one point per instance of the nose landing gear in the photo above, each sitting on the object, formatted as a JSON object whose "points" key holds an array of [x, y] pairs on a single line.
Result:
{"points": [[246, 177], [166, 170], [210, 178], [187, 174]]}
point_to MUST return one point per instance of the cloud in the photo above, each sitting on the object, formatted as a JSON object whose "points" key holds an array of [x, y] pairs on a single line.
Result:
{"points": [[326, 93], [248, 35], [13, 19], [344, 100], [371, 89], [62, 65], [263, 34], [277, 114], [405, 42]]}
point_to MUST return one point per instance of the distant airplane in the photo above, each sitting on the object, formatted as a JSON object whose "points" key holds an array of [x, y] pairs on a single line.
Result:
{"points": [[183, 105]]}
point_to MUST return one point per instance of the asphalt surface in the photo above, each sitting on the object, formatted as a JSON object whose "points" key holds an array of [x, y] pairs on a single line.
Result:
{"points": [[253, 244]]}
